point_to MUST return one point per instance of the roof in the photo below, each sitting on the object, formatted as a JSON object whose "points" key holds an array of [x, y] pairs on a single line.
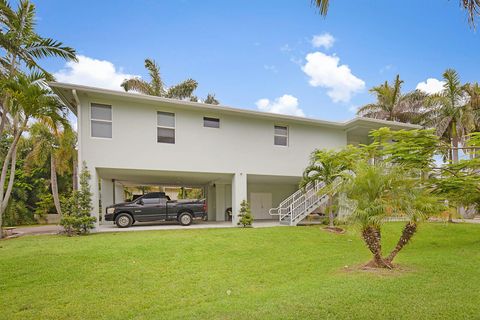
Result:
{"points": [[68, 93]]}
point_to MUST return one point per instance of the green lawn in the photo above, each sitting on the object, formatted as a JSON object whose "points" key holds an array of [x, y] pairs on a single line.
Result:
{"points": [[271, 273]]}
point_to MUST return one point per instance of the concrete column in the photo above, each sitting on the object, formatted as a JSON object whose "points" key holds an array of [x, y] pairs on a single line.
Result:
{"points": [[220, 202], [210, 202], [239, 193], [106, 196], [95, 195], [119, 193]]}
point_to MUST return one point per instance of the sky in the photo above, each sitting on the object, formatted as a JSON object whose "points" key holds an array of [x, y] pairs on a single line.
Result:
{"points": [[272, 55]]}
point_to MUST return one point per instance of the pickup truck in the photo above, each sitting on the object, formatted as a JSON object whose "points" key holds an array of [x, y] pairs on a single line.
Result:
{"points": [[155, 206]]}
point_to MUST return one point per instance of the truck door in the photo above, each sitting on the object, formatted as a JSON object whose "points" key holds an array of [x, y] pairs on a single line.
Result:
{"points": [[153, 207]]}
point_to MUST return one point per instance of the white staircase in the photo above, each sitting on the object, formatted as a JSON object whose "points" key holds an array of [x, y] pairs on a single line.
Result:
{"points": [[300, 204]]}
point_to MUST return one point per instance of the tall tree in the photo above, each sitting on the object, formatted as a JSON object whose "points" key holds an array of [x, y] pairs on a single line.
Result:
{"points": [[30, 99], [155, 87], [450, 113], [393, 105], [472, 7], [23, 46]]}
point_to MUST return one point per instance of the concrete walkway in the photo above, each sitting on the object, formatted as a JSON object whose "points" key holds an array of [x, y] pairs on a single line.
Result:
{"points": [[143, 226], [40, 229]]}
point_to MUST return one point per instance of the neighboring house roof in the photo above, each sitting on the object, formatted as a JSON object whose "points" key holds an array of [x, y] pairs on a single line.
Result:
{"points": [[68, 93]]}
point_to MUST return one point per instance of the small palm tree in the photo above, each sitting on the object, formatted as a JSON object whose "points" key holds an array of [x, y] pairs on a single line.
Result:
{"points": [[378, 191], [183, 90], [54, 145], [329, 166], [450, 113], [393, 105]]}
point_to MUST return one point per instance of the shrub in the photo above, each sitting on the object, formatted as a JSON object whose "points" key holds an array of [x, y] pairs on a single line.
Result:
{"points": [[246, 218], [77, 208]]}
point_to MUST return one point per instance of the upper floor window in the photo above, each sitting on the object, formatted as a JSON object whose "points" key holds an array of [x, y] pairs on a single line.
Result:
{"points": [[101, 120], [280, 137], [165, 127], [211, 122]]}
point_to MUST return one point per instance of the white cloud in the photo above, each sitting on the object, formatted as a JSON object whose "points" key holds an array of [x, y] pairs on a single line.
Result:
{"points": [[286, 48], [92, 72], [324, 71], [431, 86], [325, 40], [286, 104], [271, 68]]}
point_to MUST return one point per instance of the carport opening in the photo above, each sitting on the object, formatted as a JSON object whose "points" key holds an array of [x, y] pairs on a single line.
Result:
{"points": [[132, 192]]}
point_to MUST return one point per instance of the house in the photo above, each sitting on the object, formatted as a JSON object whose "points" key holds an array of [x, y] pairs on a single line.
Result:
{"points": [[234, 154]]}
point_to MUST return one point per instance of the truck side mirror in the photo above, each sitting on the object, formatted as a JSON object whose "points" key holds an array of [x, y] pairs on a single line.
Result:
{"points": [[140, 202]]}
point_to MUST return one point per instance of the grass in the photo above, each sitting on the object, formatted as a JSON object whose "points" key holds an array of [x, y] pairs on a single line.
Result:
{"points": [[268, 273]]}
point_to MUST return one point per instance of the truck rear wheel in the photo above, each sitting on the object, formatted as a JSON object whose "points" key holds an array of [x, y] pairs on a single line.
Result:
{"points": [[185, 219], [124, 220]]}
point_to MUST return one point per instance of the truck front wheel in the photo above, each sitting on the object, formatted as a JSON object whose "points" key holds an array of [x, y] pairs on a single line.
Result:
{"points": [[124, 220], [185, 219]]}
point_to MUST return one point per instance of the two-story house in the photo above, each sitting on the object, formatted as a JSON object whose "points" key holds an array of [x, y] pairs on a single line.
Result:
{"points": [[234, 154]]}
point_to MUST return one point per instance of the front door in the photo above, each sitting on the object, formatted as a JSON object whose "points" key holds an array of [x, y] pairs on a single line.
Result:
{"points": [[260, 204]]}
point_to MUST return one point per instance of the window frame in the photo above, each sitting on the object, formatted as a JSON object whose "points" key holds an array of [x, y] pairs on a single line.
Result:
{"points": [[281, 135], [211, 118], [100, 120], [174, 128]]}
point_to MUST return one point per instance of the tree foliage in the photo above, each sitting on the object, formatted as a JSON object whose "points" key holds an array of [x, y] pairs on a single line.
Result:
{"points": [[246, 218], [155, 87], [77, 207]]}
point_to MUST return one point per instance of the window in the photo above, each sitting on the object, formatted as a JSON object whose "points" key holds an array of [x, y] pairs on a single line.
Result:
{"points": [[211, 122], [165, 127], [151, 198], [101, 120], [280, 136]]}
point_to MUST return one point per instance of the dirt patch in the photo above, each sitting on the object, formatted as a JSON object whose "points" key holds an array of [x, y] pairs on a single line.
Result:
{"points": [[334, 230], [397, 270]]}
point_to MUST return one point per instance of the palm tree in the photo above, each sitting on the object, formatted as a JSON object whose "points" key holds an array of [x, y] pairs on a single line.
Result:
{"points": [[471, 6], [183, 90], [51, 143], [449, 113], [30, 99], [22, 45], [393, 105], [381, 190], [329, 166]]}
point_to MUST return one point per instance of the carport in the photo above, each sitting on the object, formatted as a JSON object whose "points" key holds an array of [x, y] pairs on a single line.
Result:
{"points": [[113, 181], [222, 190]]}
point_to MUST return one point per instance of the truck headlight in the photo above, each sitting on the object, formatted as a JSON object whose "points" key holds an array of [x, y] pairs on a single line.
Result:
{"points": [[110, 210]]}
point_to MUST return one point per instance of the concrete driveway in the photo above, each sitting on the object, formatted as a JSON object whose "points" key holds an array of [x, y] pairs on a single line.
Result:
{"points": [[139, 226]]}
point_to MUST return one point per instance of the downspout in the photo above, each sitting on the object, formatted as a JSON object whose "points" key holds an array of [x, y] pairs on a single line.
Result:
{"points": [[79, 134]]}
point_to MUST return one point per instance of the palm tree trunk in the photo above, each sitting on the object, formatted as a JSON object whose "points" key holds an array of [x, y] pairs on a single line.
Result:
{"points": [[331, 215], [372, 238], [407, 234], [454, 143], [54, 183]]}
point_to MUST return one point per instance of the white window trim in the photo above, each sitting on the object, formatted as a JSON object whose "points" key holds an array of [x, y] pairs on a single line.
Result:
{"points": [[219, 122], [100, 120], [281, 135], [165, 127]]}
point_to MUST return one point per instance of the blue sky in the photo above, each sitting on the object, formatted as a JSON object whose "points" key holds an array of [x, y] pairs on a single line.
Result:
{"points": [[249, 51]]}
